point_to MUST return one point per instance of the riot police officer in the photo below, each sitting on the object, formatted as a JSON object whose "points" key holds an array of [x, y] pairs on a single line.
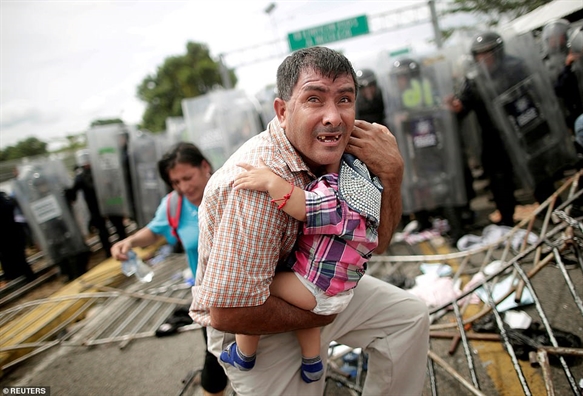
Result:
{"points": [[84, 182], [488, 49], [369, 103], [569, 83], [555, 35], [521, 137], [40, 193], [427, 134]]}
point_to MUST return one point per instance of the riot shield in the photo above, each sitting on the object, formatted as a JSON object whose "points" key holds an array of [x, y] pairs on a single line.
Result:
{"points": [[39, 191], [107, 146], [468, 126], [220, 122], [145, 149], [265, 97], [175, 130], [516, 93], [426, 132]]}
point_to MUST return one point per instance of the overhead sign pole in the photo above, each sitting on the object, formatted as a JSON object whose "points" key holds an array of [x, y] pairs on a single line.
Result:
{"points": [[331, 32], [435, 23], [411, 15]]}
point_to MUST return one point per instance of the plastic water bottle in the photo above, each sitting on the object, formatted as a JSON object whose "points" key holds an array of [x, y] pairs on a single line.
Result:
{"points": [[143, 271], [129, 266], [135, 266]]}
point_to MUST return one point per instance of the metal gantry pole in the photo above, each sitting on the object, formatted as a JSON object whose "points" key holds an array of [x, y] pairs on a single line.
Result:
{"points": [[435, 23]]}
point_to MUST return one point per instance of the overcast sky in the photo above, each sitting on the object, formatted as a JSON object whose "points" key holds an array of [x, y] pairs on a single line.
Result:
{"points": [[65, 64]]}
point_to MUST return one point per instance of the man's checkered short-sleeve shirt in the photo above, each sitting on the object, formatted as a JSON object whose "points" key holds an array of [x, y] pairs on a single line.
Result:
{"points": [[243, 236]]}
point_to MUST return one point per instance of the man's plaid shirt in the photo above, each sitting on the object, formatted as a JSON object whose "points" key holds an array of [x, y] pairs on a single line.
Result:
{"points": [[242, 234]]}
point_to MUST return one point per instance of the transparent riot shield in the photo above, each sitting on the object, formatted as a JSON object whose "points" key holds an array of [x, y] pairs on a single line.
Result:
{"points": [[220, 122], [107, 146], [426, 132], [145, 149], [517, 95], [81, 213], [265, 97], [39, 190], [468, 127], [175, 130]]}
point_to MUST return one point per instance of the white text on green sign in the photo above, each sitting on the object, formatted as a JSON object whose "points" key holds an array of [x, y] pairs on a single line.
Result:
{"points": [[331, 32]]}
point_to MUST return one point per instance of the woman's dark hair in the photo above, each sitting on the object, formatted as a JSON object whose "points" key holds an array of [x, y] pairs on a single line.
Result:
{"points": [[180, 153], [325, 61]]}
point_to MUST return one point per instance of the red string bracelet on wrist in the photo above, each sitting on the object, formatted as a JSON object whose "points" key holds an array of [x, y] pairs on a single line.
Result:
{"points": [[285, 198]]}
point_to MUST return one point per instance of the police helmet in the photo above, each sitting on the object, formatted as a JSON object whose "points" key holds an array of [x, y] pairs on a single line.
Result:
{"points": [[485, 42], [555, 35], [406, 66], [82, 157], [365, 77], [575, 43], [38, 180]]}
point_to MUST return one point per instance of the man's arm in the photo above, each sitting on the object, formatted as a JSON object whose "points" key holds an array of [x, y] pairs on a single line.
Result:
{"points": [[464, 102], [274, 316], [376, 146]]}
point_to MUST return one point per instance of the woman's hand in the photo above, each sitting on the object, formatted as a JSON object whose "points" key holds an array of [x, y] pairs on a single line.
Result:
{"points": [[120, 249]]}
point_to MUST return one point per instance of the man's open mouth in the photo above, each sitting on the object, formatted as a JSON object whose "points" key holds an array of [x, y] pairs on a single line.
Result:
{"points": [[329, 139]]}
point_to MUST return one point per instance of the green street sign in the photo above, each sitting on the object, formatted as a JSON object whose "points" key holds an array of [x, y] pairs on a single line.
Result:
{"points": [[399, 52], [331, 32]]}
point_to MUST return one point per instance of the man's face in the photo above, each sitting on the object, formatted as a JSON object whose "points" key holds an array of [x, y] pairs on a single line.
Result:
{"points": [[403, 82], [487, 59], [368, 92], [319, 117]]}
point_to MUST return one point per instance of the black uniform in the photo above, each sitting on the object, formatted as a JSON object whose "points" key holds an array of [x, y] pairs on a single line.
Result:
{"points": [[12, 243], [495, 159], [84, 182]]}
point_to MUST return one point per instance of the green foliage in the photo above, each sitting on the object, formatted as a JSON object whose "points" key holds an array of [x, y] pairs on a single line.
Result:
{"points": [[179, 77], [75, 142], [106, 121], [495, 10], [25, 148]]}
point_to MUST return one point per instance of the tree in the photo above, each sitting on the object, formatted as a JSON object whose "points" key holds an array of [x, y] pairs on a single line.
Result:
{"points": [[179, 77], [495, 11], [25, 148], [76, 142], [106, 121]]}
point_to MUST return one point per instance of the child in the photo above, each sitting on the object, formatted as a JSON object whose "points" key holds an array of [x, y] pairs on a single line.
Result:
{"points": [[340, 210]]}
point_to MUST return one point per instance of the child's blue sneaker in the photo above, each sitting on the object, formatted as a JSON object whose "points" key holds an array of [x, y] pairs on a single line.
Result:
{"points": [[233, 356]]}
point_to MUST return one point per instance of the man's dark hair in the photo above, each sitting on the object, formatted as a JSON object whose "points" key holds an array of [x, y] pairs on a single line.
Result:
{"points": [[325, 61], [181, 153]]}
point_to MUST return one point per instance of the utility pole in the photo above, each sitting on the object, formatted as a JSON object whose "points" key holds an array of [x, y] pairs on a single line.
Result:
{"points": [[225, 78], [435, 23]]}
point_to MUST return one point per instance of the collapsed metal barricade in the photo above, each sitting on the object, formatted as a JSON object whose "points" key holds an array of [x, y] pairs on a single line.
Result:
{"points": [[138, 310], [110, 315], [560, 238]]}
